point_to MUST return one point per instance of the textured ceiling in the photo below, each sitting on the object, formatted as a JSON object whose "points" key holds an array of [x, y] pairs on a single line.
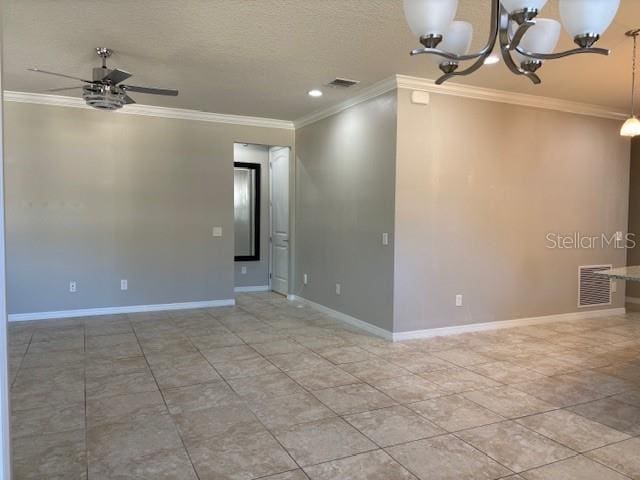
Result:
{"points": [[260, 57]]}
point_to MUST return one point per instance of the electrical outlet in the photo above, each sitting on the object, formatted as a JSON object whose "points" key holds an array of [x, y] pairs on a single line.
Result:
{"points": [[458, 300], [385, 239], [73, 288], [217, 231], [243, 270], [305, 278], [338, 289], [124, 284]]}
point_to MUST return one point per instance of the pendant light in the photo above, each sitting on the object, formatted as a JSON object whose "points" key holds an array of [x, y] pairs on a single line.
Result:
{"points": [[631, 127]]}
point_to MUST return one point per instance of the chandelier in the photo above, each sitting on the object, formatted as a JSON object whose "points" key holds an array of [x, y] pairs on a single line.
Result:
{"points": [[526, 41]]}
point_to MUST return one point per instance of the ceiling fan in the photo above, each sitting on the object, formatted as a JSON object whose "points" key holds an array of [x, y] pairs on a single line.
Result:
{"points": [[105, 91]]}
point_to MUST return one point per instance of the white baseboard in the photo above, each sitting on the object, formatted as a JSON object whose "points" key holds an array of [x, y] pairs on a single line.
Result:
{"points": [[258, 288], [500, 324], [343, 317], [90, 312], [444, 331], [634, 300]]}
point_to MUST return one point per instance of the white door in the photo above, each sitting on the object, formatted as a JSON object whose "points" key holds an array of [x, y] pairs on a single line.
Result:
{"points": [[279, 192]]}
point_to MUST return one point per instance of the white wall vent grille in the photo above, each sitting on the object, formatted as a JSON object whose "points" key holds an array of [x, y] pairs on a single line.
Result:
{"points": [[594, 289]]}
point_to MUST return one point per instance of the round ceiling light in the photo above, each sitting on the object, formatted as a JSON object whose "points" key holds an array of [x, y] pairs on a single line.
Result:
{"points": [[315, 93]]}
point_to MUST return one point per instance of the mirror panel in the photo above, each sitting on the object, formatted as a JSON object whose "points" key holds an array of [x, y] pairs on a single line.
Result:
{"points": [[246, 193]]}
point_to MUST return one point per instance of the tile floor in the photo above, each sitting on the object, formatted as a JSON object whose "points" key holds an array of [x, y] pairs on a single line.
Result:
{"points": [[274, 390]]}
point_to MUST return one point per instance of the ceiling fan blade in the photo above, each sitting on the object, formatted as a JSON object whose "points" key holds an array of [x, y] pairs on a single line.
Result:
{"points": [[62, 89], [152, 91], [128, 100], [37, 70], [116, 76]]}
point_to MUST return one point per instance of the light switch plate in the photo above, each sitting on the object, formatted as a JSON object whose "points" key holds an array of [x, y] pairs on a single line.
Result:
{"points": [[385, 239], [458, 300], [217, 231], [124, 284], [243, 270]]}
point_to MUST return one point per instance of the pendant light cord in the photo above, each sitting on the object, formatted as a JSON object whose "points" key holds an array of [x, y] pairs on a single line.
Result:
{"points": [[633, 76]]}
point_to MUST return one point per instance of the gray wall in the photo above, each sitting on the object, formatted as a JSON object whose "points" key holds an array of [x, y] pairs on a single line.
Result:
{"points": [[257, 272], [345, 171], [96, 197], [633, 255], [479, 185]]}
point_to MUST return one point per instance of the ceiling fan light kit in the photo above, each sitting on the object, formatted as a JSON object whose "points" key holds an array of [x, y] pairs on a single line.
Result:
{"points": [[525, 41], [105, 91]]}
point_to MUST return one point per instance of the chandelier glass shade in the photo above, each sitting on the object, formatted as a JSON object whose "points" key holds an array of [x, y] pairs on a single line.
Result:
{"points": [[524, 40]]}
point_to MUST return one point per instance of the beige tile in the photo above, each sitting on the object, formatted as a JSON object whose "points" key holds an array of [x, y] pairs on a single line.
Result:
{"points": [[408, 389], [322, 441], [183, 370], [230, 354], [45, 420], [548, 366], [598, 381], [240, 456], [455, 413], [374, 370], [289, 410], [375, 465], [124, 408], [622, 457], [100, 327], [577, 467], [353, 398], [101, 367], [112, 385], [505, 372], [278, 347], [323, 377], [572, 430], [613, 413], [394, 425], [161, 465], [457, 380], [102, 341], [558, 392], [53, 359], [446, 458], [463, 357], [55, 455], [417, 361], [299, 361], [61, 345], [631, 397], [199, 426], [509, 402], [245, 368], [265, 386], [345, 354], [515, 446], [199, 397], [293, 475]]}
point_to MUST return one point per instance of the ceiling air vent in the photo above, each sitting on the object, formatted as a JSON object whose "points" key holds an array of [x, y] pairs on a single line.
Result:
{"points": [[594, 289], [343, 83]]}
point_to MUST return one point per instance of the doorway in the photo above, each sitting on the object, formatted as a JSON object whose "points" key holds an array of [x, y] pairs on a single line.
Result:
{"points": [[261, 218]]}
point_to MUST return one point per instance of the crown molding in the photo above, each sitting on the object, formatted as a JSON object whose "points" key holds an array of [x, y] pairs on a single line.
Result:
{"points": [[150, 111], [513, 98], [464, 91], [363, 95]]}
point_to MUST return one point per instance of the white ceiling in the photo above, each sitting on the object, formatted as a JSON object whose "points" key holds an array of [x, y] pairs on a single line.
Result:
{"points": [[260, 57]]}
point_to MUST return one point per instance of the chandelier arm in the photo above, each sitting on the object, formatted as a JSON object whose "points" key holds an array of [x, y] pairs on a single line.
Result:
{"points": [[517, 37], [467, 71], [553, 56], [447, 55], [505, 42]]}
